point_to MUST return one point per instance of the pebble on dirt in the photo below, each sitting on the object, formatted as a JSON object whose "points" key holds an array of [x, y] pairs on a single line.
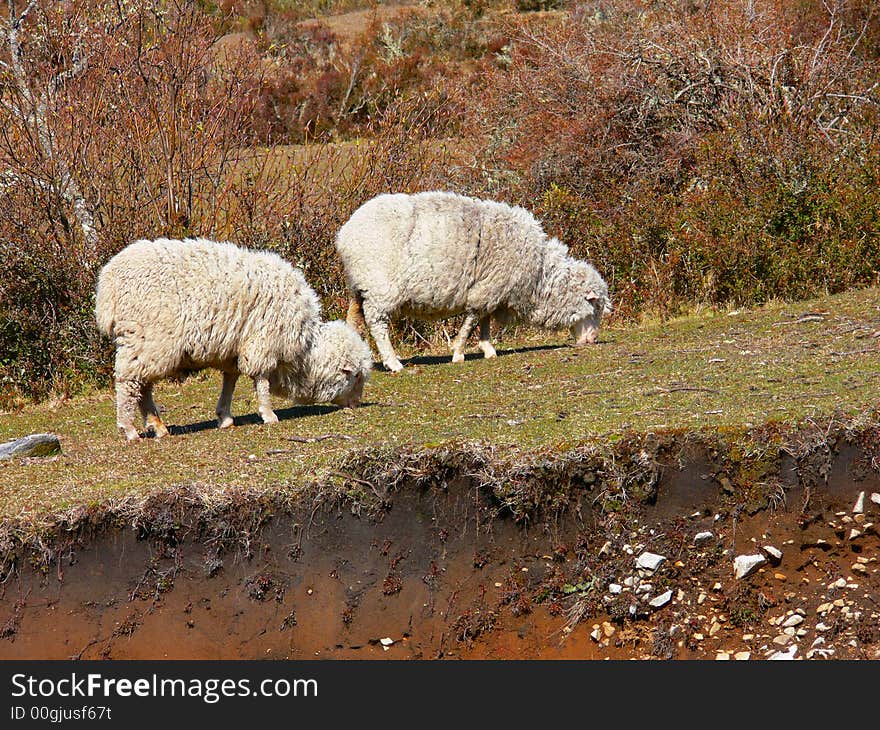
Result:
{"points": [[773, 554], [661, 600], [701, 538], [649, 561], [744, 565]]}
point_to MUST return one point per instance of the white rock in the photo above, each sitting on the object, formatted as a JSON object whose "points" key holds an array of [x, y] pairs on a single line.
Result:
{"points": [[722, 656], [859, 506], [701, 538], [783, 655], [645, 588], [596, 634], [774, 554], [387, 641], [793, 620], [744, 565], [875, 497], [615, 588], [854, 533], [839, 583], [822, 626], [649, 561], [742, 656], [661, 600]]}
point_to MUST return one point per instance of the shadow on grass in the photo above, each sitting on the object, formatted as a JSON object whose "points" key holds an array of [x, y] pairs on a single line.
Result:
{"points": [[253, 419], [447, 359]]}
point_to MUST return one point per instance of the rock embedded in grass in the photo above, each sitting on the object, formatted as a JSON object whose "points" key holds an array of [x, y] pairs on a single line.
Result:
{"points": [[35, 445]]}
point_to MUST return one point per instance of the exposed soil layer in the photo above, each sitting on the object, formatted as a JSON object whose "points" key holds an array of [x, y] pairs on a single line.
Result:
{"points": [[447, 572]]}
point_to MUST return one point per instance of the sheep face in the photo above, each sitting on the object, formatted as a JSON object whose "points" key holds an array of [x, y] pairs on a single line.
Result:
{"points": [[594, 303], [340, 365]]}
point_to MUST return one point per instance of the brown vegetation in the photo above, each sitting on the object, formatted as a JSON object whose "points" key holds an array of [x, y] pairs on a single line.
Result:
{"points": [[720, 152]]}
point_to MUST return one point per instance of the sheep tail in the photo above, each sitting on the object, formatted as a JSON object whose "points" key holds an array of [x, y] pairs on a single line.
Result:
{"points": [[355, 316], [105, 309]]}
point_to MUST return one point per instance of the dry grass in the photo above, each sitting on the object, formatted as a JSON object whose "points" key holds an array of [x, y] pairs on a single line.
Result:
{"points": [[716, 372]]}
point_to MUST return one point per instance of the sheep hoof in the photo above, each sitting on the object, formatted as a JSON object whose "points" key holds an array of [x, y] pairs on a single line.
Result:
{"points": [[269, 418], [130, 433], [394, 366], [489, 353], [224, 421], [457, 357]]}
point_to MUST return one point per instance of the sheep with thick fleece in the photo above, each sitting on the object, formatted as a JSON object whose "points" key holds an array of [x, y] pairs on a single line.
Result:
{"points": [[174, 306], [438, 254]]}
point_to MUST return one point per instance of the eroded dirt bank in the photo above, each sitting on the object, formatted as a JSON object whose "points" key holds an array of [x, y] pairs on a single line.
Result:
{"points": [[446, 571]]}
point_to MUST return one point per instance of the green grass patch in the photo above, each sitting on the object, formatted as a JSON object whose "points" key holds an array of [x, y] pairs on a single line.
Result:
{"points": [[716, 372]]}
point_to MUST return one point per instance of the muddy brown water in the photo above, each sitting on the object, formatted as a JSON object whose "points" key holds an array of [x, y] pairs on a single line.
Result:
{"points": [[441, 575]]}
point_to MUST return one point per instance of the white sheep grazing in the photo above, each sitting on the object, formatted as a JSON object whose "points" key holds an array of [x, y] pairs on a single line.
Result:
{"points": [[178, 306], [438, 254]]}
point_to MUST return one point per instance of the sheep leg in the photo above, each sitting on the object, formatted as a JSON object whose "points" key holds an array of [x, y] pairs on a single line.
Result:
{"points": [[458, 345], [127, 395], [150, 412], [224, 405], [264, 402], [379, 329], [485, 341], [355, 314]]}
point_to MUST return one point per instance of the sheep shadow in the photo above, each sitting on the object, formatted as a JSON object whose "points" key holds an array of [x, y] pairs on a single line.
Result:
{"points": [[253, 419], [447, 359]]}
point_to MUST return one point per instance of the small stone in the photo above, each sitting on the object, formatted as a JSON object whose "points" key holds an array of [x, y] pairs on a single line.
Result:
{"points": [[839, 583], [860, 519], [875, 497], [615, 588], [825, 607], [661, 600], [698, 637], [701, 538], [716, 587], [608, 629], [793, 620], [714, 628], [840, 603], [773, 554], [701, 598], [859, 506], [645, 588], [722, 656], [742, 656], [779, 576], [596, 634], [859, 568], [789, 631], [605, 548], [745, 565], [783, 640], [854, 533], [387, 641], [783, 655], [822, 626], [649, 561]]}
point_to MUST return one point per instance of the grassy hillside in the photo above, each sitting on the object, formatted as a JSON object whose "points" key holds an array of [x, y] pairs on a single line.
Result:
{"points": [[727, 371]]}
